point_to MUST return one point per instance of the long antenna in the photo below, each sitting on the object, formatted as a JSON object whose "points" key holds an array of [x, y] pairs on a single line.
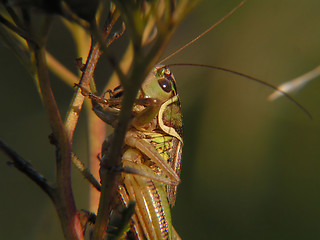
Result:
{"points": [[205, 32], [248, 77]]}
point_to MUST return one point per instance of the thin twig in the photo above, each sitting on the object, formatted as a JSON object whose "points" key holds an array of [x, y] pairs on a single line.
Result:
{"points": [[14, 16], [17, 30], [25, 167], [85, 172], [86, 77]]}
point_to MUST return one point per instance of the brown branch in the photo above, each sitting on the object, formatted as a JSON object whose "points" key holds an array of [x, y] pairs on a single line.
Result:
{"points": [[26, 168], [65, 204], [86, 77]]}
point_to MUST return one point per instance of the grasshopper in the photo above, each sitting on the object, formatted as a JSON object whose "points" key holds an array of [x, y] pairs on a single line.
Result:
{"points": [[151, 154]]}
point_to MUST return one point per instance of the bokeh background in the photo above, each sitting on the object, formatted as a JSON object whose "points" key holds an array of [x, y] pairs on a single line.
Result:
{"points": [[251, 167]]}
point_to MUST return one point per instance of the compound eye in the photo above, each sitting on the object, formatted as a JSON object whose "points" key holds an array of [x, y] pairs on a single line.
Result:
{"points": [[165, 84]]}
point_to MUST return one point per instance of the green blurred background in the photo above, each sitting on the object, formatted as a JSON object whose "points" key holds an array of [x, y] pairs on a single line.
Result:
{"points": [[251, 168]]}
